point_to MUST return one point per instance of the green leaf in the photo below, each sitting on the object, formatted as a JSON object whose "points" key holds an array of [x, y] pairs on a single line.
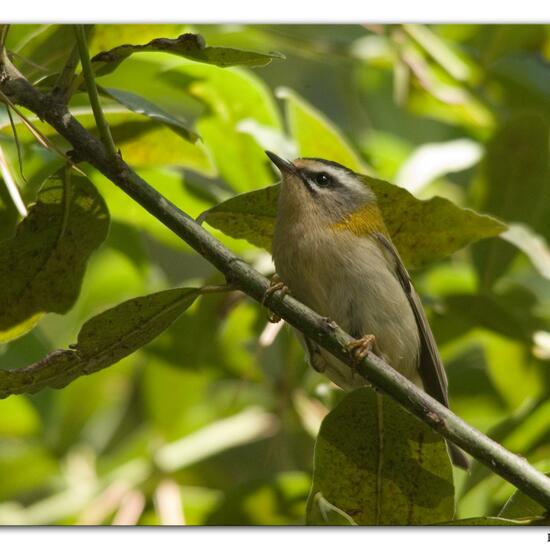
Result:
{"points": [[422, 231], [145, 107], [322, 512], [42, 265], [188, 45], [249, 216], [102, 341], [380, 465], [315, 135], [517, 171], [519, 505]]}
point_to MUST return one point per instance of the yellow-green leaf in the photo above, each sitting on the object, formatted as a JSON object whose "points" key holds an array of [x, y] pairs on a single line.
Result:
{"points": [[422, 231]]}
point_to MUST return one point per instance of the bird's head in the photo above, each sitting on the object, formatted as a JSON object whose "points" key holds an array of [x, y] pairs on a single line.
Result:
{"points": [[324, 193]]}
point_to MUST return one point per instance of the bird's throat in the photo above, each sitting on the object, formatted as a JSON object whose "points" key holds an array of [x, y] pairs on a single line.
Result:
{"points": [[364, 221]]}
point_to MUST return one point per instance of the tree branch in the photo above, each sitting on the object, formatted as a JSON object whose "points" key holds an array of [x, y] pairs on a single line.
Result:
{"points": [[241, 275]]}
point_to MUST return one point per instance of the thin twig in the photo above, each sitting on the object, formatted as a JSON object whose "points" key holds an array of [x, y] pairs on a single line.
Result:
{"points": [[89, 77], [244, 277]]}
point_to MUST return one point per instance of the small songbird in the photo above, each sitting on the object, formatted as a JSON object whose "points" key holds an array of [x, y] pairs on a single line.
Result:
{"points": [[333, 252]]}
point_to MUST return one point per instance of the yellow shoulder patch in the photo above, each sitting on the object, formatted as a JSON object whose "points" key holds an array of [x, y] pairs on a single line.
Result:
{"points": [[364, 221]]}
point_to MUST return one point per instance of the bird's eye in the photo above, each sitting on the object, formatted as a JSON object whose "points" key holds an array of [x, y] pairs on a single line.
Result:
{"points": [[322, 179]]}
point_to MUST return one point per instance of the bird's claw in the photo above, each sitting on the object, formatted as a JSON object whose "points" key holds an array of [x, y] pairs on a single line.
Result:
{"points": [[361, 347], [276, 285]]}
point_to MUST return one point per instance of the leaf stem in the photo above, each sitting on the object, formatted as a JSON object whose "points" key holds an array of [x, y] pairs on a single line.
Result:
{"points": [[89, 78]]}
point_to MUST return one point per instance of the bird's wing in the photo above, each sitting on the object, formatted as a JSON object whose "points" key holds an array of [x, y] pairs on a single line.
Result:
{"points": [[430, 366]]}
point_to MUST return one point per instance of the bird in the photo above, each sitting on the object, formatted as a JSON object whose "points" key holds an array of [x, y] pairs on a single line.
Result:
{"points": [[332, 251]]}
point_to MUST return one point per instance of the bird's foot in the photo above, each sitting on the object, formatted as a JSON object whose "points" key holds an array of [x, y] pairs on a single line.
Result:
{"points": [[276, 285], [360, 348]]}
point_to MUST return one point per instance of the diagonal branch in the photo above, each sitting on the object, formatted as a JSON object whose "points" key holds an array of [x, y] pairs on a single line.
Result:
{"points": [[242, 276]]}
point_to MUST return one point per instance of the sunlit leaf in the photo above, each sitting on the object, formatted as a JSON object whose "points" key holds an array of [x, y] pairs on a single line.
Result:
{"points": [[230, 96], [315, 135], [380, 465], [188, 45], [102, 341], [42, 265], [422, 231]]}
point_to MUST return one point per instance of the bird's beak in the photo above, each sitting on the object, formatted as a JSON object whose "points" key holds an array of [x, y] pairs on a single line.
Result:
{"points": [[283, 165]]}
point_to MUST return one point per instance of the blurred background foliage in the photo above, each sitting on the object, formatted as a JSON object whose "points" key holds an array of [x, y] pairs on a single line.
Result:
{"points": [[214, 422]]}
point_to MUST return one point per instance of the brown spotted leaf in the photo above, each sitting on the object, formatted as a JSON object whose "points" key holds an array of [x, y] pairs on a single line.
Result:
{"points": [[379, 465], [102, 341], [43, 264], [422, 231]]}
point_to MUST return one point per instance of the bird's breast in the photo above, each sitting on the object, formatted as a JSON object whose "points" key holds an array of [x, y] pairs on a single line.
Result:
{"points": [[348, 278]]}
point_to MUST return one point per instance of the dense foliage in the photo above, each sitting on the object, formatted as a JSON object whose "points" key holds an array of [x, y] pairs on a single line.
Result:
{"points": [[207, 413]]}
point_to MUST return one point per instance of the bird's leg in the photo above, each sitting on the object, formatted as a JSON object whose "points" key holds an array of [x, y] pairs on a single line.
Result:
{"points": [[360, 348], [276, 285]]}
